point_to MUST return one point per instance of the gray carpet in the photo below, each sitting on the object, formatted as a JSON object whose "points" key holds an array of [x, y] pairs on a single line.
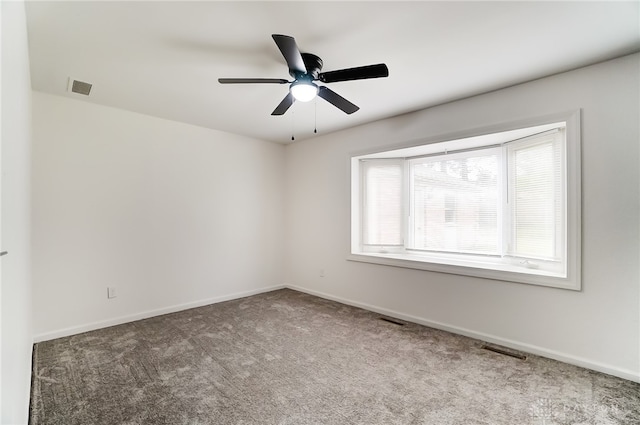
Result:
{"points": [[286, 357]]}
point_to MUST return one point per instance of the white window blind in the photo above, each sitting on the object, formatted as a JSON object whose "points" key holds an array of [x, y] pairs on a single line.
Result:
{"points": [[536, 197], [382, 212], [455, 201]]}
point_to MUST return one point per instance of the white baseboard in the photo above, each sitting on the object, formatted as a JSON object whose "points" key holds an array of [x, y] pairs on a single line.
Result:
{"points": [[74, 330], [527, 348]]}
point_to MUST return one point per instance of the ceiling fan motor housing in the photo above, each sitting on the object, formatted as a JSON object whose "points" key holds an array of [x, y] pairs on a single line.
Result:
{"points": [[313, 64]]}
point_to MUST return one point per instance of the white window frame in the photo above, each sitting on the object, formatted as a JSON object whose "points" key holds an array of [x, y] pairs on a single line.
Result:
{"points": [[479, 266]]}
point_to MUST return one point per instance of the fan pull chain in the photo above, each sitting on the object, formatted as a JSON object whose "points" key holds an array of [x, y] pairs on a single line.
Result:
{"points": [[292, 126], [315, 116]]}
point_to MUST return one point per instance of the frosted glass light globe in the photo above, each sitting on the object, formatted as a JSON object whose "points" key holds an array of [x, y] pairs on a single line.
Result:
{"points": [[304, 91]]}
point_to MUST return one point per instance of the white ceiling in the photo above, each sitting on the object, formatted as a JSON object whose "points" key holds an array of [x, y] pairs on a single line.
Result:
{"points": [[164, 58]]}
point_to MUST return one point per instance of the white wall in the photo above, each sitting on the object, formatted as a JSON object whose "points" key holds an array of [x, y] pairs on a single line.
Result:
{"points": [[17, 334], [597, 327], [170, 214]]}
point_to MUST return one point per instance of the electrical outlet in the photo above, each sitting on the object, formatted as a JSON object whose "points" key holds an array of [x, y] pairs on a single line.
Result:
{"points": [[111, 292]]}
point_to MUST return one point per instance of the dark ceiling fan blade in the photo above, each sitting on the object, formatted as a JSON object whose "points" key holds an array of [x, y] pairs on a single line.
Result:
{"points": [[360, 73], [290, 51], [252, 81], [284, 105], [336, 100]]}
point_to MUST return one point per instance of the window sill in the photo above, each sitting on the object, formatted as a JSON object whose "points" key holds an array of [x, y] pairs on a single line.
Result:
{"points": [[504, 272]]}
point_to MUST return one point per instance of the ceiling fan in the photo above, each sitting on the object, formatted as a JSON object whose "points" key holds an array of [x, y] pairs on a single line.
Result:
{"points": [[305, 69]]}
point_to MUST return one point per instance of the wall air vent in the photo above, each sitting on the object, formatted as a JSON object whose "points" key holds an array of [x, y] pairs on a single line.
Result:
{"points": [[80, 87]]}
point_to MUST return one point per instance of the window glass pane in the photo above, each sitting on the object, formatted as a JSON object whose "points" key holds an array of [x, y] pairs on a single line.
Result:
{"points": [[537, 204], [455, 203], [382, 215]]}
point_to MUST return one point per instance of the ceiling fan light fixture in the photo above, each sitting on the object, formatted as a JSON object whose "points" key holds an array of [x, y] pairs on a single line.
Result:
{"points": [[305, 69], [304, 91]]}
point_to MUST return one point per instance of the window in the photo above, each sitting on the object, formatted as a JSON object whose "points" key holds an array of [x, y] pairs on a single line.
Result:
{"points": [[382, 212], [502, 205]]}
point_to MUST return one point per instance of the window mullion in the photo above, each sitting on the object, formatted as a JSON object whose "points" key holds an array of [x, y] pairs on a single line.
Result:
{"points": [[506, 222], [407, 197]]}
